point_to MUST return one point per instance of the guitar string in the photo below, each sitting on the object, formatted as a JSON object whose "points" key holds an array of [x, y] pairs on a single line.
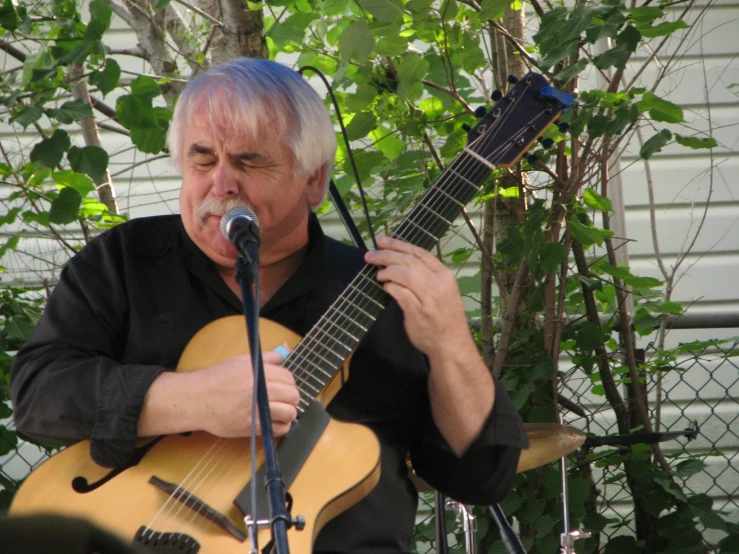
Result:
{"points": [[351, 299], [228, 463], [335, 313], [331, 320], [192, 490], [172, 498]]}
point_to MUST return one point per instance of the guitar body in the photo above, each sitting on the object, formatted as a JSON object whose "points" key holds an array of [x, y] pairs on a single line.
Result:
{"points": [[342, 468]]}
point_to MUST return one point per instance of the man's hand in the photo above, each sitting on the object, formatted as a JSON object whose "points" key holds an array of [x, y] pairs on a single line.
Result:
{"points": [[218, 399], [461, 388], [227, 391], [427, 292]]}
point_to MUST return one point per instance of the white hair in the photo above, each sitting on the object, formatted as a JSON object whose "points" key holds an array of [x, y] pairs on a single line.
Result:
{"points": [[260, 96]]}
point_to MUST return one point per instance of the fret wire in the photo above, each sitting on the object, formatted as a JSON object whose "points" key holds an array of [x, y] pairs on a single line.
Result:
{"points": [[316, 389], [342, 312], [353, 305], [464, 179], [434, 237], [317, 365], [360, 291], [336, 325], [373, 284]]}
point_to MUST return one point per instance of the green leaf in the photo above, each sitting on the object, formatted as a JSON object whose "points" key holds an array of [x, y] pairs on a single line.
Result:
{"points": [[655, 144], [11, 244], [79, 182], [9, 217], [553, 255], [660, 109], [594, 521], [492, 9], [8, 16], [696, 143], [589, 336], [387, 142], [90, 160], [360, 125], [411, 70], [74, 110], [588, 235], [383, 10], [33, 60], [107, 79], [645, 14], [149, 141], [571, 71], [356, 41], [621, 545], [145, 87], [626, 43], [544, 525], [51, 150], [594, 200], [689, 467], [578, 21], [510, 192], [363, 96], [41, 218], [469, 284], [28, 116], [393, 45], [96, 28], [65, 208], [8, 440], [663, 29]]}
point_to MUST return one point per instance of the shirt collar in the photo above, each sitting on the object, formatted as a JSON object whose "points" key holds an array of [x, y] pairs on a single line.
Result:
{"points": [[306, 278]]}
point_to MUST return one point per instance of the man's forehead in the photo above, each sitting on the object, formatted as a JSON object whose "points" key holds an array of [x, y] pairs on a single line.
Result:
{"points": [[220, 135]]}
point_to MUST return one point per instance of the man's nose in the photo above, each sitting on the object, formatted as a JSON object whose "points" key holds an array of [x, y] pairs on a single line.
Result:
{"points": [[225, 181]]}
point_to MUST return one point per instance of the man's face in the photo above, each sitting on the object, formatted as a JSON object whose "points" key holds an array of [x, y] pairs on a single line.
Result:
{"points": [[222, 168]]}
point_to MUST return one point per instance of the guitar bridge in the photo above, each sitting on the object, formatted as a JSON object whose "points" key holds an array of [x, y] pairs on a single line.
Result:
{"points": [[165, 543]]}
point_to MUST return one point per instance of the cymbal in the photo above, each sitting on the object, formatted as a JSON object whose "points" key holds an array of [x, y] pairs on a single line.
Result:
{"points": [[547, 442]]}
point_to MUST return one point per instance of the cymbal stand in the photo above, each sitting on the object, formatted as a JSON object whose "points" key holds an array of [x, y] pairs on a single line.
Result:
{"points": [[568, 537], [469, 523]]}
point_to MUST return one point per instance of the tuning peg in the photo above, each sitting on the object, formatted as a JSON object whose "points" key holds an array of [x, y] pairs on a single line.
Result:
{"points": [[480, 111], [564, 127], [532, 159], [512, 79], [497, 95], [547, 142], [466, 128]]}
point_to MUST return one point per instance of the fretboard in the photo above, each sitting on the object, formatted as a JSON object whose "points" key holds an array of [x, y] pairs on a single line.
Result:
{"points": [[322, 352]]}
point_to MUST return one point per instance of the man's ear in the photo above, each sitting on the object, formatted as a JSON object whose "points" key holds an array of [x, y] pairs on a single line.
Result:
{"points": [[315, 186]]}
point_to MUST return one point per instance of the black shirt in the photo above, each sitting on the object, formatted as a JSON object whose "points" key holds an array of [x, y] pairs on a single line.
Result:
{"points": [[129, 302]]}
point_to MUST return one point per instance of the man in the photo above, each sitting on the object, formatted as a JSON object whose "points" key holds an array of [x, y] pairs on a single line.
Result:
{"points": [[253, 133]]}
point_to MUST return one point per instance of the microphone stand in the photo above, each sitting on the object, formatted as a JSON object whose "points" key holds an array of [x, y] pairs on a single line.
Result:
{"points": [[280, 520]]}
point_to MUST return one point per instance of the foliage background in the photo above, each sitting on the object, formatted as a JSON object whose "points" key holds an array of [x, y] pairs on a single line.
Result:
{"points": [[543, 241]]}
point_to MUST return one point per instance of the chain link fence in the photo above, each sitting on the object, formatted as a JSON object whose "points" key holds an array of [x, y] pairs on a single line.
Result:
{"points": [[700, 392]]}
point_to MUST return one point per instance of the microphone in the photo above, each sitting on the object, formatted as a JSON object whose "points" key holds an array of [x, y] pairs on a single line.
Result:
{"points": [[241, 227]]}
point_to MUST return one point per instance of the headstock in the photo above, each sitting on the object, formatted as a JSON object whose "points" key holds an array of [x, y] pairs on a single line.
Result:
{"points": [[504, 134]]}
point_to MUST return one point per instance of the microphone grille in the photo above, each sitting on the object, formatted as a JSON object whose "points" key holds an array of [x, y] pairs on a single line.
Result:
{"points": [[232, 214]]}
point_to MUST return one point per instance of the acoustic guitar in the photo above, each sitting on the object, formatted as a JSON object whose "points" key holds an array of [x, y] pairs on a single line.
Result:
{"points": [[189, 493]]}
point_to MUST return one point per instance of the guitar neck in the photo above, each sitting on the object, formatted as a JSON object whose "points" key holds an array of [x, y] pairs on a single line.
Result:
{"points": [[323, 351]]}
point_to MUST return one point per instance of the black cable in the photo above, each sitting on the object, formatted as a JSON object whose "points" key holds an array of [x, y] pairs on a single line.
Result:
{"points": [[348, 149]]}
